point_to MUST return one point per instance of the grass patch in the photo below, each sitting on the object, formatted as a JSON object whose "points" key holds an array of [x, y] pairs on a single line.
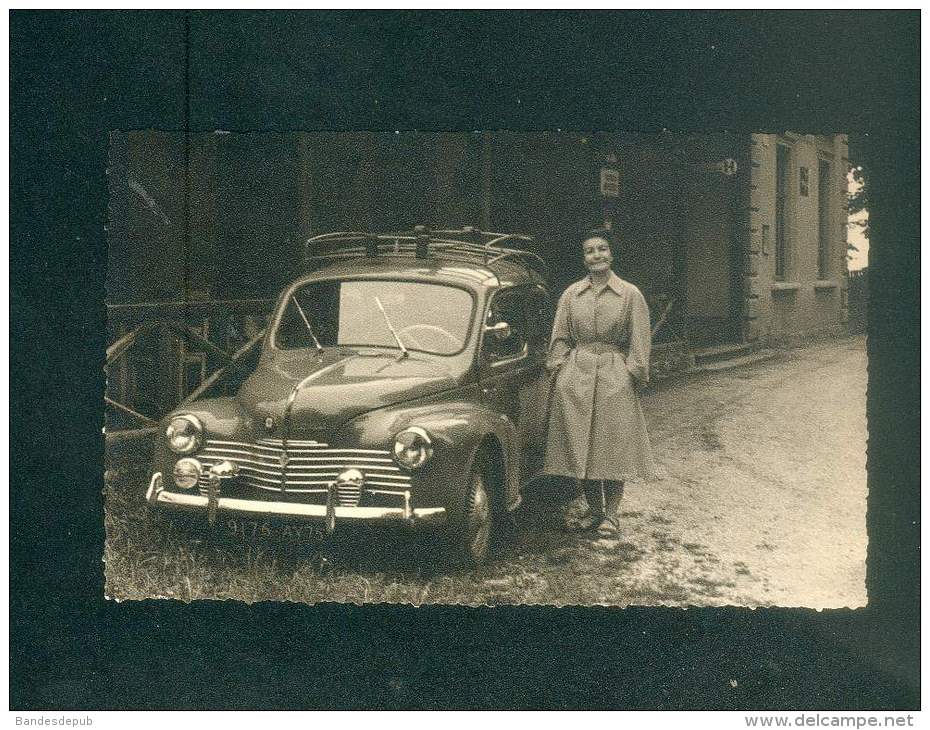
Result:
{"points": [[150, 555]]}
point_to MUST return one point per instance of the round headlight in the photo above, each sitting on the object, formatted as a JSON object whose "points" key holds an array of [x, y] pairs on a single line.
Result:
{"points": [[184, 434], [187, 473], [412, 447]]}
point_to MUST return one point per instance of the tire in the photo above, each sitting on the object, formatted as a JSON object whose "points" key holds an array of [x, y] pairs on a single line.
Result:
{"points": [[474, 535]]}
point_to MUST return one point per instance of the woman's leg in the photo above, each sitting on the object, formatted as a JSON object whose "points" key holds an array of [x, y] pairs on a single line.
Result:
{"points": [[595, 498], [569, 513], [593, 514], [613, 495], [603, 497]]}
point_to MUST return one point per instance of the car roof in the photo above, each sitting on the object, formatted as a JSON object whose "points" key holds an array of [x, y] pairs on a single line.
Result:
{"points": [[465, 257], [435, 269]]}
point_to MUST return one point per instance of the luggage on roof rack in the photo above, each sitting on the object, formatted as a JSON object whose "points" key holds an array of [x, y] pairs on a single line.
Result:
{"points": [[466, 244]]}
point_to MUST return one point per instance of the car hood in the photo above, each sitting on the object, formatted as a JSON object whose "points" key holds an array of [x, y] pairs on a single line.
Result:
{"points": [[334, 387]]}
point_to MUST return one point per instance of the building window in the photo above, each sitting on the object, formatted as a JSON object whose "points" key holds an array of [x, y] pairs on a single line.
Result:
{"points": [[782, 159], [823, 220]]}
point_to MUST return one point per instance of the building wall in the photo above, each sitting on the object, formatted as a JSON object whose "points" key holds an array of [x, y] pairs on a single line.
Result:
{"points": [[648, 216], [145, 226], [206, 216], [802, 302], [713, 191], [543, 184]]}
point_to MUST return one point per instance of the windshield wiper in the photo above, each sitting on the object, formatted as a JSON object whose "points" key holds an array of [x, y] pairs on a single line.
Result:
{"points": [[316, 342], [387, 319]]}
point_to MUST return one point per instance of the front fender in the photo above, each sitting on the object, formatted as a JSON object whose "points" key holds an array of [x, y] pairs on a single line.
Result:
{"points": [[458, 427]]}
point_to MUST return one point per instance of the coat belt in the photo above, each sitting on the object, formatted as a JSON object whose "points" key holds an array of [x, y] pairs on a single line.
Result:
{"points": [[599, 348]]}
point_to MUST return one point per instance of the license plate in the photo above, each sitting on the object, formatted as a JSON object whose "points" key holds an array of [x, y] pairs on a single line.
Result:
{"points": [[272, 531]]}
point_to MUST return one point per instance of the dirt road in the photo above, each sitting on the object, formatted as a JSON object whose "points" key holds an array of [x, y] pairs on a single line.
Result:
{"points": [[763, 495]]}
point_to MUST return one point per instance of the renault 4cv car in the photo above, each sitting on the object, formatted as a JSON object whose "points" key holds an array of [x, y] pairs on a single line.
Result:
{"points": [[402, 379]]}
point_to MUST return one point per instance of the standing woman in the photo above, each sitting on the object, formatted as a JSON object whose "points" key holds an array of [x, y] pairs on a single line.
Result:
{"points": [[599, 359]]}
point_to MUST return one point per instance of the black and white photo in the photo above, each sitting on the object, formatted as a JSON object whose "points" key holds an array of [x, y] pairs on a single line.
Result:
{"points": [[356, 367]]}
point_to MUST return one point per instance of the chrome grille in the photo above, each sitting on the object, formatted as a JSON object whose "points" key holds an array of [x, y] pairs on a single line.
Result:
{"points": [[309, 468], [348, 496]]}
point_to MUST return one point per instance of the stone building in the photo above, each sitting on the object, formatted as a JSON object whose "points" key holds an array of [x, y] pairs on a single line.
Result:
{"points": [[796, 281]]}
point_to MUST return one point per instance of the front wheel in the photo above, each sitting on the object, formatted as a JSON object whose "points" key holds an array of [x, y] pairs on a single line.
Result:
{"points": [[473, 535]]}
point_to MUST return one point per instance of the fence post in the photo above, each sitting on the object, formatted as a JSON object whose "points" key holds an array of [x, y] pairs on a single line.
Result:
{"points": [[169, 356]]}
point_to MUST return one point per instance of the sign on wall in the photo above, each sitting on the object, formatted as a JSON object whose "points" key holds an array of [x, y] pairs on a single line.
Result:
{"points": [[610, 182], [726, 167]]}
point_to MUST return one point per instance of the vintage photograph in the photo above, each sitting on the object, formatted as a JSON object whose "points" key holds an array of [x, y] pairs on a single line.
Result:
{"points": [[473, 359], [487, 368]]}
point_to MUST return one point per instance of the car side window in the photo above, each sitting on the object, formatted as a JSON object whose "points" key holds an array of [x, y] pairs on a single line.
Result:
{"points": [[507, 306], [539, 316]]}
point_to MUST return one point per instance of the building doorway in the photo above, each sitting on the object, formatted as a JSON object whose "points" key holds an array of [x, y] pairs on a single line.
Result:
{"points": [[714, 264]]}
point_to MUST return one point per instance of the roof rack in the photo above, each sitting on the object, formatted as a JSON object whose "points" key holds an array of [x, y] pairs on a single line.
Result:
{"points": [[467, 244]]}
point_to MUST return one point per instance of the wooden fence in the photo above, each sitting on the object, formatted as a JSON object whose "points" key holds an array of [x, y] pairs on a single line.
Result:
{"points": [[164, 354]]}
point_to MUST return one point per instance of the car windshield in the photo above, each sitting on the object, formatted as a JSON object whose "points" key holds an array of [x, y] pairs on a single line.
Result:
{"points": [[426, 317]]}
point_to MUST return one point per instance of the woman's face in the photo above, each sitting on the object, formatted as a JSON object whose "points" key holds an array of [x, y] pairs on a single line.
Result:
{"points": [[597, 256]]}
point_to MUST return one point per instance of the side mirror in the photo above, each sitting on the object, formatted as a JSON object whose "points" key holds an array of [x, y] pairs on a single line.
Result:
{"points": [[501, 331]]}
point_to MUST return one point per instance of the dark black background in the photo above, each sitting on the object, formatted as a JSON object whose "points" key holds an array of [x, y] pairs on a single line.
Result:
{"points": [[77, 75]]}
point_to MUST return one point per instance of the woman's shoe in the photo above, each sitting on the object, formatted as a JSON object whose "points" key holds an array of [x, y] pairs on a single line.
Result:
{"points": [[612, 495], [609, 527], [590, 521], [581, 523], [595, 514]]}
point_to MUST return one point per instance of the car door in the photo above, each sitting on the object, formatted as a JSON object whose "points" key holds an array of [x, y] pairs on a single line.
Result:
{"points": [[514, 381], [539, 315]]}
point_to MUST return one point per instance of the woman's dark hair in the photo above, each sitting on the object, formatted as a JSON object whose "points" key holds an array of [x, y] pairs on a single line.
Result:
{"points": [[604, 233]]}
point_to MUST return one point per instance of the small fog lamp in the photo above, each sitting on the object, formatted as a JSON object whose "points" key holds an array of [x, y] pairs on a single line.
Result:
{"points": [[187, 473]]}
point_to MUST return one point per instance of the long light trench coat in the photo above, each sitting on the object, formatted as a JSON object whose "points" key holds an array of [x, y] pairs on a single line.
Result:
{"points": [[599, 356]]}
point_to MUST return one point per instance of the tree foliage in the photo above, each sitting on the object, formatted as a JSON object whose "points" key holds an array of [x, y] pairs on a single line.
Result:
{"points": [[858, 198], [857, 201]]}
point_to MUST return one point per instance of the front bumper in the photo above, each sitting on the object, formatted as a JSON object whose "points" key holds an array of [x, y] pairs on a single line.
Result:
{"points": [[158, 496]]}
